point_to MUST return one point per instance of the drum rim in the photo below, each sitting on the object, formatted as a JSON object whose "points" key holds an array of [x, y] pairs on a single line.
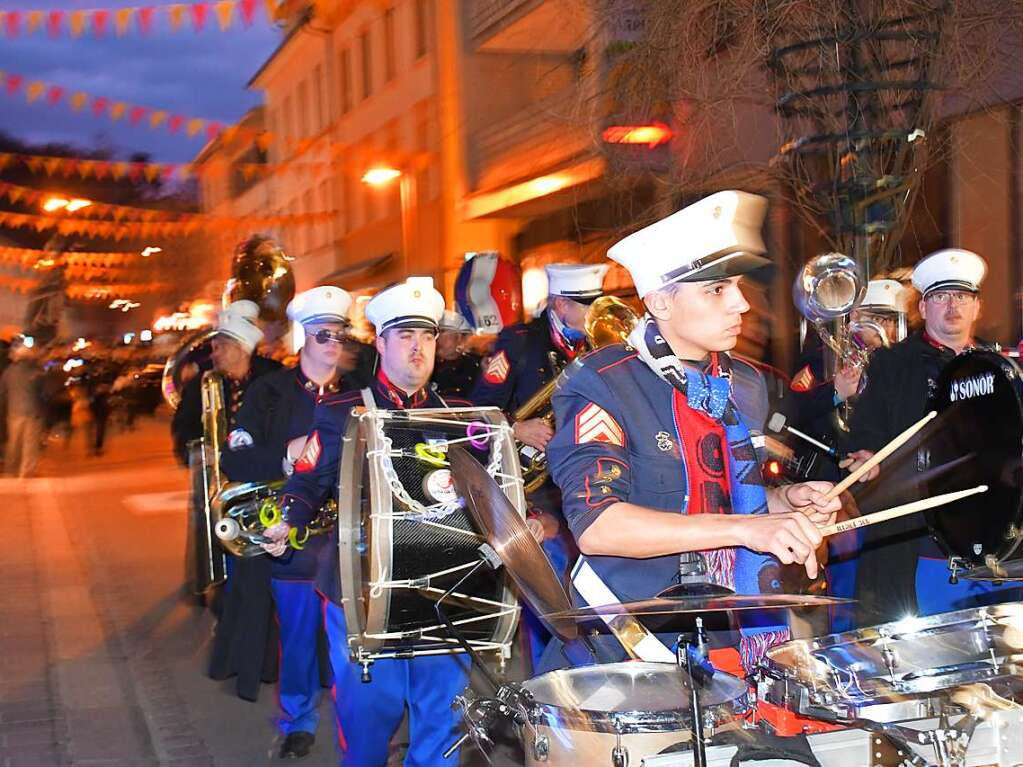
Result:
{"points": [[349, 524], [1012, 370]]}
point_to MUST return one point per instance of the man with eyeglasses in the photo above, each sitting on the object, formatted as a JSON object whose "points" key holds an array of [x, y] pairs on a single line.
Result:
{"points": [[901, 570], [269, 436]]}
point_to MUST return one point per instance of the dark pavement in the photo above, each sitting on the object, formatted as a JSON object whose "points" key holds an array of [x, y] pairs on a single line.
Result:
{"points": [[101, 658]]}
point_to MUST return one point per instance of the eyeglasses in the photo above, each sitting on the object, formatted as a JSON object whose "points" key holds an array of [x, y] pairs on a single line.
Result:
{"points": [[950, 296], [324, 336]]}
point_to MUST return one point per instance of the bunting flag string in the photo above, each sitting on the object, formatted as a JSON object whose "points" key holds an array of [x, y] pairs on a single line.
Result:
{"points": [[101, 22], [23, 194], [28, 258], [85, 291]]}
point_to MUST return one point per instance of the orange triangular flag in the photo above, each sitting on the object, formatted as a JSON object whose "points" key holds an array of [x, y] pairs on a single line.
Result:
{"points": [[176, 14], [122, 18], [33, 20], [76, 21], [156, 118], [153, 172], [225, 12], [78, 100], [34, 90], [117, 110], [118, 169], [194, 126], [52, 164]]}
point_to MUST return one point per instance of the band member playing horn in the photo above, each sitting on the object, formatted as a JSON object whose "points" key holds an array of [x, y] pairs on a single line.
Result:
{"points": [[268, 437], [901, 570], [234, 359], [652, 449], [406, 318], [526, 358]]}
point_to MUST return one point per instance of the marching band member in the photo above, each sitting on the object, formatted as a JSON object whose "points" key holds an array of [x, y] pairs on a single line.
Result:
{"points": [[815, 399], [902, 570], [406, 318], [652, 449], [233, 357], [457, 367], [268, 437], [525, 358]]}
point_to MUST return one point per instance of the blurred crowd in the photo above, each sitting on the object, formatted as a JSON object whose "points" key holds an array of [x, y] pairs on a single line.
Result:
{"points": [[71, 396]]}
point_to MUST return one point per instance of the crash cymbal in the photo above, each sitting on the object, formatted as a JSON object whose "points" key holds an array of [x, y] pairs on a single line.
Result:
{"points": [[1005, 571], [507, 534], [699, 603]]}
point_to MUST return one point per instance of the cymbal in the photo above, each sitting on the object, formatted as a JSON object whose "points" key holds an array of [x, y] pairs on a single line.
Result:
{"points": [[698, 603], [507, 534], [1005, 571]]}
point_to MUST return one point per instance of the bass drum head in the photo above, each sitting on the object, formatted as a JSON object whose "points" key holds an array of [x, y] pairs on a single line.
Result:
{"points": [[979, 431]]}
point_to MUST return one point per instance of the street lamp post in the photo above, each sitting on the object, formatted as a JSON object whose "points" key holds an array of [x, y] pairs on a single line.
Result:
{"points": [[381, 176]]}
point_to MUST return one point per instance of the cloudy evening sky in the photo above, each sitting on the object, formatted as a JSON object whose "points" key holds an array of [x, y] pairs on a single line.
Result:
{"points": [[196, 74]]}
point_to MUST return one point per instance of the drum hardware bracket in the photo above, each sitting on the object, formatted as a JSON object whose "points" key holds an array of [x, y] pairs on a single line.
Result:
{"points": [[697, 671], [619, 754], [955, 564]]}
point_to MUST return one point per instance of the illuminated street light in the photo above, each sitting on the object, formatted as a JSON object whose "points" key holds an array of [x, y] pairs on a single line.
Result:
{"points": [[150, 251], [54, 203], [380, 176]]}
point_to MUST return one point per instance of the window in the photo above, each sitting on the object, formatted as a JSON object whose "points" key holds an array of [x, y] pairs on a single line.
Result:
{"points": [[345, 76], [318, 97], [303, 109], [422, 21], [367, 64], [390, 52]]}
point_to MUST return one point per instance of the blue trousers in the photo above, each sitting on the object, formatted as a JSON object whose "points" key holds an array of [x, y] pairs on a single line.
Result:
{"points": [[534, 633], [368, 713], [299, 612], [934, 594]]}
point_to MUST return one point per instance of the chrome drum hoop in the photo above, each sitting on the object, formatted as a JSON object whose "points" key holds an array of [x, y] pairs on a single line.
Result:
{"points": [[368, 520]]}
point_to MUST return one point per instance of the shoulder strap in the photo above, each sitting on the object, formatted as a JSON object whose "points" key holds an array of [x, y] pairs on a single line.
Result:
{"points": [[368, 400]]}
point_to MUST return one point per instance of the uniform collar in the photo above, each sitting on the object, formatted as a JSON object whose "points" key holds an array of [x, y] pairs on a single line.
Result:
{"points": [[314, 388], [934, 343], [396, 395]]}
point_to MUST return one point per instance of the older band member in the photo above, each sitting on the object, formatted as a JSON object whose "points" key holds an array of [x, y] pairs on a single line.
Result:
{"points": [[233, 357], [901, 570], [652, 449], [268, 437], [406, 318], [457, 367]]}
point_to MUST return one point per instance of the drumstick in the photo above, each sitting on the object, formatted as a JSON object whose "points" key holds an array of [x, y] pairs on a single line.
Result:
{"points": [[880, 455], [899, 511]]}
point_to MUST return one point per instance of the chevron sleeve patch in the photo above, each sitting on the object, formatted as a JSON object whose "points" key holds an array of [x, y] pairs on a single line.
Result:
{"points": [[497, 369], [310, 454], [594, 424], [803, 381]]}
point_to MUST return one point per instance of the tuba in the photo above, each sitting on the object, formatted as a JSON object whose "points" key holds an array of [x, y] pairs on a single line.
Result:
{"points": [[609, 320], [826, 291]]}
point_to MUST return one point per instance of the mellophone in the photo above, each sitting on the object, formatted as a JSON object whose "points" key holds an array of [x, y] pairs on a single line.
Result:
{"points": [[944, 689]]}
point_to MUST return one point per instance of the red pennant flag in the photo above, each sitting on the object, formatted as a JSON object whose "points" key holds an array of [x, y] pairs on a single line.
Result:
{"points": [[213, 130], [102, 170], [174, 123], [12, 21], [54, 94], [136, 114], [14, 83], [168, 172], [136, 170], [99, 105], [100, 20], [54, 21], [199, 13], [248, 10], [146, 20]]}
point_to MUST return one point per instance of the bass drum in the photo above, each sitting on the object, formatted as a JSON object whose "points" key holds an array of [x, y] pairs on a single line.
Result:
{"points": [[979, 436], [405, 537]]}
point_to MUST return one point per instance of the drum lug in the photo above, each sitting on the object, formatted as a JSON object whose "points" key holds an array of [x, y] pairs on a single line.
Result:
{"points": [[619, 754], [541, 747], [954, 565]]}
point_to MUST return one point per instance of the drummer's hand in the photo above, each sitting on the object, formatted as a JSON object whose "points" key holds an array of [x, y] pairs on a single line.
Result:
{"points": [[790, 536], [534, 432], [279, 535], [853, 461], [535, 527], [810, 498]]}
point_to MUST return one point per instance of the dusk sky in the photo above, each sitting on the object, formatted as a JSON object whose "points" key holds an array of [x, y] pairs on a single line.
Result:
{"points": [[197, 74]]}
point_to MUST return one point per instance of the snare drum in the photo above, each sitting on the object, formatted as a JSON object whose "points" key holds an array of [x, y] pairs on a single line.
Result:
{"points": [[619, 713], [980, 398], [894, 671], [405, 539]]}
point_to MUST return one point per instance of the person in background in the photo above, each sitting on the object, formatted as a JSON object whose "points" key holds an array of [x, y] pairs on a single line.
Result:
{"points": [[457, 367], [19, 390]]}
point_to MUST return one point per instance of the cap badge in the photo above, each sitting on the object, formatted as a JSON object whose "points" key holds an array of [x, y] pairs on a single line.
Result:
{"points": [[664, 442], [417, 294], [717, 211]]}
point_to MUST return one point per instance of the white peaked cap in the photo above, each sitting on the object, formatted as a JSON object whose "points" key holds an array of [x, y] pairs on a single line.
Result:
{"points": [[886, 295], [580, 282], [454, 321], [325, 303], [238, 322], [949, 269], [717, 237], [414, 303]]}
